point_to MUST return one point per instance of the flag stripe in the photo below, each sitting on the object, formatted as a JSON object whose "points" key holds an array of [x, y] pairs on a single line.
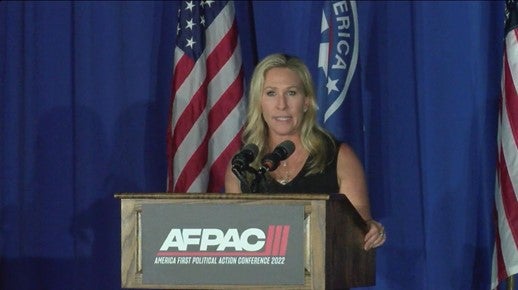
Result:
{"points": [[510, 78], [509, 156], [229, 99], [207, 112], [500, 266], [217, 115], [182, 69], [183, 115], [221, 148], [196, 83], [196, 163], [215, 60], [218, 168], [507, 204], [505, 255]]}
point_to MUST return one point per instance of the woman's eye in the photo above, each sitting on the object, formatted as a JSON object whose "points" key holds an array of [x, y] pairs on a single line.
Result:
{"points": [[292, 93], [270, 93]]}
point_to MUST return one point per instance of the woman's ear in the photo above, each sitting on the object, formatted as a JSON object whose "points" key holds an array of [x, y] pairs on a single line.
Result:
{"points": [[306, 104]]}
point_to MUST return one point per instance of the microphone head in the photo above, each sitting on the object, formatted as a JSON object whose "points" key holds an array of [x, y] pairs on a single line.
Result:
{"points": [[251, 149], [242, 159], [281, 152], [286, 148]]}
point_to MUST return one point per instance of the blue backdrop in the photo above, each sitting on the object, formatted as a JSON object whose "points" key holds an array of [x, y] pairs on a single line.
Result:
{"points": [[84, 98]]}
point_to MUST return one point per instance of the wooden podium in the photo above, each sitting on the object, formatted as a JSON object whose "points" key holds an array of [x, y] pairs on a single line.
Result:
{"points": [[333, 255]]}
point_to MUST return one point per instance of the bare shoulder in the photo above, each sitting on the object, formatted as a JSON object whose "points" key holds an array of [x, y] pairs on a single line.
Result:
{"points": [[351, 179], [349, 169], [346, 153]]}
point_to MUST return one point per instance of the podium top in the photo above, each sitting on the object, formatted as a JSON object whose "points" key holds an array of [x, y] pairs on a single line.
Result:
{"points": [[249, 196]]}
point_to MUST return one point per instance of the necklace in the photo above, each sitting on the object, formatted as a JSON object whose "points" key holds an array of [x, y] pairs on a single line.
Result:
{"points": [[286, 176]]}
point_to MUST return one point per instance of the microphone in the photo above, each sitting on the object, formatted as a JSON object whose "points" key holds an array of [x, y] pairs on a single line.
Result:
{"points": [[271, 161], [242, 159]]}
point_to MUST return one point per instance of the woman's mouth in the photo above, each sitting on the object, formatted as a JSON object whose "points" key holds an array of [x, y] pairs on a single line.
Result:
{"points": [[282, 118]]}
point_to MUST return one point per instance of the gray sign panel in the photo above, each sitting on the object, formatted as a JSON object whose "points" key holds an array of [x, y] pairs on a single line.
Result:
{"points": [[222, 244]]}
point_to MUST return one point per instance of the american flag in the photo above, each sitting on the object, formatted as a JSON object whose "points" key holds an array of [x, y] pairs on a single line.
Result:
{"points": [[505, 255], [207, 99]]}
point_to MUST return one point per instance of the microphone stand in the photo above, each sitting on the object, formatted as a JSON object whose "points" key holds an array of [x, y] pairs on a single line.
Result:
{"points": [[269, 161], [245, 186], [259, 174]]}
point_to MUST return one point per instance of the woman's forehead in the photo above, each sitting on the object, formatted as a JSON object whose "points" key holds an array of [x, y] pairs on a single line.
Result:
{"points": [[281, 77]]}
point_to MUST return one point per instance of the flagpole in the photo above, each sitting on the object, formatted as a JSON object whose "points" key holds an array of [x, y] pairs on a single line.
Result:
{"points": [[510, 283]]}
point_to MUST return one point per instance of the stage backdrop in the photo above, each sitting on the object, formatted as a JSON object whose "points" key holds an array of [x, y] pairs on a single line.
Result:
{"points": [[84, 102]]}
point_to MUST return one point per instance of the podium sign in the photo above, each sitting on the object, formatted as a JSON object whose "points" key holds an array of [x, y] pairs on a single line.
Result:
{"points": [[222, 244]]}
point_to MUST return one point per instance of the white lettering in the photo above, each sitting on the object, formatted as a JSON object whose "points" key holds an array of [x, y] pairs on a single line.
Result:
{"points": [[344, 22], [210, 237], [252, 239], [340, 63], [188, 239], [342, 6], [340, 45], [231, 240], [180, 239], [343, 45], [252, 247]]}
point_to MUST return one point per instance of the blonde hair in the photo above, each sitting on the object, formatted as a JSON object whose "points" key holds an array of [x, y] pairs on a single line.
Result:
{"points": [[313, 137]]}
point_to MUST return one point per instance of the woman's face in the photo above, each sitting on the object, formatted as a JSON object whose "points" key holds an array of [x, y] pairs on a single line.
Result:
{"points": [[283, 101]]}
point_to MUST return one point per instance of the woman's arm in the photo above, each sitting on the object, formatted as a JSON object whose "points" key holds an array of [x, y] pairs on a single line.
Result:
{"points": [[351, 179]]}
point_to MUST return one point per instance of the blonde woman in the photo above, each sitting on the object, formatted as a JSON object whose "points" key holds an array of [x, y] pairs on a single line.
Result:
{"points": [[282, 106]]}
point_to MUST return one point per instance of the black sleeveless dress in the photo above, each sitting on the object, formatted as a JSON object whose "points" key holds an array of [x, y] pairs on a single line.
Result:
{"points": [[323, 182]]}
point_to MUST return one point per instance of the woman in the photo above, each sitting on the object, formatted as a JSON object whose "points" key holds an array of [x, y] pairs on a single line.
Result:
{"points": [[282, 106]]}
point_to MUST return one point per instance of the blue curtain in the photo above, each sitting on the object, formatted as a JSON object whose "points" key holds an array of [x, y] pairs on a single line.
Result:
{"points": [[84, 101]]}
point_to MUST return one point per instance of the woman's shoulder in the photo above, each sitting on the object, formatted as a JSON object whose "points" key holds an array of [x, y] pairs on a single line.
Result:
{"points": [[331, 142], [327, 138], [341, 149], [346, 154]]}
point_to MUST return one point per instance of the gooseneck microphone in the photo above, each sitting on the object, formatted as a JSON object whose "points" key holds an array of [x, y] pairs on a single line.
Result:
{"points": [[271, 161], [241, 164], [242, 160]]}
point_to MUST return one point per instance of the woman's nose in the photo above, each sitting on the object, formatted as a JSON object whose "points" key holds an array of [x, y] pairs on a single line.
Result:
{"points": [[281, 102]]}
